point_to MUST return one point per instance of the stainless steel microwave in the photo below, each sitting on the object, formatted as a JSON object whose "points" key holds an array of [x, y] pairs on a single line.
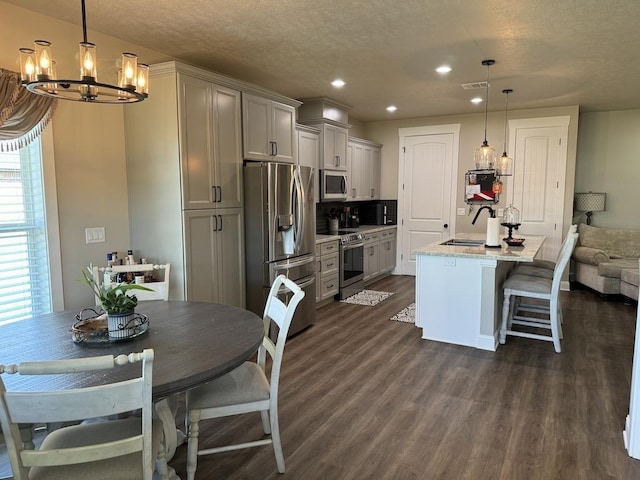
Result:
{"points": [[333, 185]]}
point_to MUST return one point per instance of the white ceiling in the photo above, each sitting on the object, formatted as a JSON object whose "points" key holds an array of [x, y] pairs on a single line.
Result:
{"points": [[550, 52]]}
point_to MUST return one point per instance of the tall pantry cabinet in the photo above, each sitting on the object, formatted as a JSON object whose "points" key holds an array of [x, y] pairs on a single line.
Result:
{"points": [[184, 175]]}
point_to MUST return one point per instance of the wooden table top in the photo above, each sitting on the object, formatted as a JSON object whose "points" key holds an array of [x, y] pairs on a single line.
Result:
{"points": [[194, 342]]}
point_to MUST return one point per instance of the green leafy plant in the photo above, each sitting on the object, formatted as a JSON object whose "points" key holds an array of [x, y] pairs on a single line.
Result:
{"points": [[113, 298]]}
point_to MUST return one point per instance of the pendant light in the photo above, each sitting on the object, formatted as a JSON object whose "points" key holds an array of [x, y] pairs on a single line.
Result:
{"points": [[505, 165], [485, 154], [37, 70]]}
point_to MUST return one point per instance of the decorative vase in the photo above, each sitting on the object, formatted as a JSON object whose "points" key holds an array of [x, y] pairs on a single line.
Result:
{"points": [[120, 325]]}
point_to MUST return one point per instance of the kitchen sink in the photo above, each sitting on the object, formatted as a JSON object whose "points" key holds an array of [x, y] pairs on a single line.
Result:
{"points": [[460, 242]]}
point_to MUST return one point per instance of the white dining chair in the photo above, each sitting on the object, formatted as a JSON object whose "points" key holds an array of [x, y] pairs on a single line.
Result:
{"points": [[547, 316], [124, 448], [544, 268], [247, 388]]}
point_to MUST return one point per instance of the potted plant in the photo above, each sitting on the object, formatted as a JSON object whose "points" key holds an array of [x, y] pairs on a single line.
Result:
{"points": [[117, 303]]}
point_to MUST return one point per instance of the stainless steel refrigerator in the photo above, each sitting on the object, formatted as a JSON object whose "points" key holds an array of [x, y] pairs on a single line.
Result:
{"points": [[280, 234]]}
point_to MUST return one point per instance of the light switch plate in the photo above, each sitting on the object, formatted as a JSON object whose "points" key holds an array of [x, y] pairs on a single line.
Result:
{"points": [[500, 212], [94, 234], [462, 211]]}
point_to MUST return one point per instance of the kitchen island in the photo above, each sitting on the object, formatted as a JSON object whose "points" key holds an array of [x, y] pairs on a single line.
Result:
{"points": [[459, 288]]}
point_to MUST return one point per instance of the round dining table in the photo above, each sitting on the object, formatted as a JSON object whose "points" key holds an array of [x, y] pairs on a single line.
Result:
{"points": [[193, 343]]}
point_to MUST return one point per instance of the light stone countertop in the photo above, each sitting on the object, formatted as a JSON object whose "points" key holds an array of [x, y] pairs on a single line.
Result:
{"points": [[525, 253], [321, 238], [326, 238]]}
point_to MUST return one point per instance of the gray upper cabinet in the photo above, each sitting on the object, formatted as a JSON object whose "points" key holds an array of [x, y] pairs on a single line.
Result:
{"points": [[364, 167], [211, 144], [308, 141], [268, 129], [334, 142]]}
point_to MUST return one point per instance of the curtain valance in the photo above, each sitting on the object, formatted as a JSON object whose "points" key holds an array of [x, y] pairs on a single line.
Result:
{"points": [[23, 115]]}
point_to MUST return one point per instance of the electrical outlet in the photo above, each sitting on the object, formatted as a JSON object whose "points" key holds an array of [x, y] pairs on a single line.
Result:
{"points": [[462, 211], [94, 235], [500, 212]]}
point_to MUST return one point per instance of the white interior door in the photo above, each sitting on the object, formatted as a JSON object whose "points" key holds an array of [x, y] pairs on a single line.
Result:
{"points": [[428, 167], [539, 146]]}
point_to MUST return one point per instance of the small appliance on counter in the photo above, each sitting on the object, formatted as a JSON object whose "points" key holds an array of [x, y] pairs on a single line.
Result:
{"points": [[380, 212]]}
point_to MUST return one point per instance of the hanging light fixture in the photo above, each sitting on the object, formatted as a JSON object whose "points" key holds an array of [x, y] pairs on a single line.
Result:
{"points": [[505, 164], [485, 154], [37, 70]]}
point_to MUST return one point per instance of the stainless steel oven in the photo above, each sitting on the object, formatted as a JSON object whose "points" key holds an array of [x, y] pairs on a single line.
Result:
{"points": [[351, 264]]}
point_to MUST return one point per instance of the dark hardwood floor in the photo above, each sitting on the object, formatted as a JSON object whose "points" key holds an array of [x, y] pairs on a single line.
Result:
{"points": [[363, 397]]}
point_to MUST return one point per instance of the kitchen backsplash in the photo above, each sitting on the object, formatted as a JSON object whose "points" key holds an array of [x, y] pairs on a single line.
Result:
{"points": [[366, 213]]}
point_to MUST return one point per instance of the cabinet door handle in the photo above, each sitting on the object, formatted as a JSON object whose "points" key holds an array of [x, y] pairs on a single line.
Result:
{"points": [[215, 229], [329, 264], [219, 193], [337, 161], [372, 193], [221, 226], [275, 144]]}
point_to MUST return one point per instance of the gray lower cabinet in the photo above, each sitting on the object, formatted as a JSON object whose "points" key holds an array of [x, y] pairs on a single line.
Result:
{"points": [[327, 270], [379, 253], [215, 256], [387, 251], [371, 255]]}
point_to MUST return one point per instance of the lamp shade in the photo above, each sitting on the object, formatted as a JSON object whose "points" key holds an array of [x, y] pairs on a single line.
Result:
{"points": [[590, 202]]}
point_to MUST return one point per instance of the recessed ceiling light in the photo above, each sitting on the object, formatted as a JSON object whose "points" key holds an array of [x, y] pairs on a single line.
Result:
{"points": [[338, 83], [443, 69], [476, 100], [392, 108]]}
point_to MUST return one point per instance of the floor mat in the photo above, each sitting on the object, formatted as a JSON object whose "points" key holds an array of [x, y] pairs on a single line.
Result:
{"points": [[406, 315], [369, 298]]}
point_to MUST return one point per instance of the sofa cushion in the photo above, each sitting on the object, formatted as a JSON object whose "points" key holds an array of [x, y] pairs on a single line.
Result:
{"points": [[614, 267], [630, 275], [618, 243], [592, 256]]}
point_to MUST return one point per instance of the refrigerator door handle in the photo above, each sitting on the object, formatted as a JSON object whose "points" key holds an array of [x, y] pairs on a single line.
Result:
{"points": [[298, 206], [301, 283], [289, 265]]}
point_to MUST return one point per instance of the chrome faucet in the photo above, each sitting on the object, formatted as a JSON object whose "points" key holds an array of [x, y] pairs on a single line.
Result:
{"points": [[492, 213]]}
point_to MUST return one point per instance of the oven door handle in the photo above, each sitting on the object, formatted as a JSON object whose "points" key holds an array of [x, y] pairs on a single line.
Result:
{"points": [[351, 246]]}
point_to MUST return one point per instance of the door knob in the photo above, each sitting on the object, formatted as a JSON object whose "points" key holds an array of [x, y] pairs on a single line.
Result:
{"points": [[446, 225]]}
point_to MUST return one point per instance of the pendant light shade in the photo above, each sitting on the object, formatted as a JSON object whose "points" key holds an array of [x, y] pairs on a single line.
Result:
{"points": [[505, 164], [485, 154], [38, 74]]}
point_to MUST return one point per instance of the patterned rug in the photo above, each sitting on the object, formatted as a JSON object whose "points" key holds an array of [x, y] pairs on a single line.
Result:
{"points": [[369, 298], [406, 315]]}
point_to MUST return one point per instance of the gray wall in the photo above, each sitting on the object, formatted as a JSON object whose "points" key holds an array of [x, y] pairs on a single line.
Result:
{"points": [[609, 161]]}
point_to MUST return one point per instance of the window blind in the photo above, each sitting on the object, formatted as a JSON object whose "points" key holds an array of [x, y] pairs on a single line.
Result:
{"points": [[24, 263]]}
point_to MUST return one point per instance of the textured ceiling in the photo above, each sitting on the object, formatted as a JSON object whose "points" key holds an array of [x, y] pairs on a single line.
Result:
{"points": [[550, 52]]}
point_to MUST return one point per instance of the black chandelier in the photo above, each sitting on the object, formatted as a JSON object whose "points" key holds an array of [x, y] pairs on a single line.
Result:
{"points": [[38, 74]]}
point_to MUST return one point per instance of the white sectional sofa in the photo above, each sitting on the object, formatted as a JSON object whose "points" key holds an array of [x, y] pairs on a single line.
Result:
{"points": [[601, 257]]}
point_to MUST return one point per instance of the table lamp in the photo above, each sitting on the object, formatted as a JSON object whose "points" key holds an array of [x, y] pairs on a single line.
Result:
{"points": [[590, 202]]}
